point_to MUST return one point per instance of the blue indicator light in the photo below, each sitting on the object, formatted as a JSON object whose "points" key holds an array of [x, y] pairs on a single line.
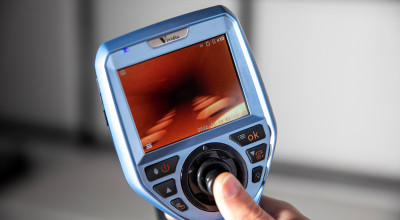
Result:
{"points": [[125, 50]]}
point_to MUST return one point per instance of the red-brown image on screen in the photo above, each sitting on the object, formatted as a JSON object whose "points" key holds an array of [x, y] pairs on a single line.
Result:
{"points": [[183, 93]]}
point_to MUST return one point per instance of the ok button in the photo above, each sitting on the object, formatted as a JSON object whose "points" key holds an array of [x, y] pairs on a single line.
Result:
{"points": [[161, 169], [249, 135]]}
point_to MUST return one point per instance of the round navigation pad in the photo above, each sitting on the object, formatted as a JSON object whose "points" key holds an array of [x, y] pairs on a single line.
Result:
{"points": [[201, 168]]}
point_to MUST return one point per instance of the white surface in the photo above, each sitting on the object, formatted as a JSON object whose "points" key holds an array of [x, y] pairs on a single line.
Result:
{"points": [[332, 71]]}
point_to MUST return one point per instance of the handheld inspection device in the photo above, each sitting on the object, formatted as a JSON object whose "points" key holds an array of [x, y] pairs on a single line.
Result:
{"points": [[185, 102]]}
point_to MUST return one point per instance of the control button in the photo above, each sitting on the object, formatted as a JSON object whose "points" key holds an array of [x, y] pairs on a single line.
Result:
{"points": [[161, 169], [166, 189], [179, 204], [256, 174], [257, 154], [249, 135]]}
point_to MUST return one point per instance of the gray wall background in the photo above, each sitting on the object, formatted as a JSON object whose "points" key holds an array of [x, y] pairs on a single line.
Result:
{"points": [[331, 68]]}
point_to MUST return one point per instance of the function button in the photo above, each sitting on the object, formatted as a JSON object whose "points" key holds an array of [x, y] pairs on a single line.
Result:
{"points": [[249, 135], [166, 189], [161, 169], [257, 154], [179, 204], [256, 174]]}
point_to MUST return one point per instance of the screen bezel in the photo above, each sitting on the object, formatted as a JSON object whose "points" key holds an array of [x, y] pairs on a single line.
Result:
{"points": [[198, 32], [235, 75]]}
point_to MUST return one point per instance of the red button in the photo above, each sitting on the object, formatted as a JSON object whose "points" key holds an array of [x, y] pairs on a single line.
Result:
{"points": [[161, 169]]}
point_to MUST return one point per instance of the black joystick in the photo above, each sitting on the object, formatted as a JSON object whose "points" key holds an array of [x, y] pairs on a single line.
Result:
{"points": [[202, 167], [208, 172], [210, 178]]}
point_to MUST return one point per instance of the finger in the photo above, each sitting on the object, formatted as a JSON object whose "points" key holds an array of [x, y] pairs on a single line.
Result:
{"points": [[233, 201], [280, 209]]}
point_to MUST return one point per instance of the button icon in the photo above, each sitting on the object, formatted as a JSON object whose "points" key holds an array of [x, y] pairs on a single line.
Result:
{"points": [[165, 168], [156, 171], [253, 136], [179, 204], [257, 153]]}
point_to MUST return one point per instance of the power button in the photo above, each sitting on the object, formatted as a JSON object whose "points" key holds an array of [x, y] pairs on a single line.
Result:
{"points": [[161, 169]]}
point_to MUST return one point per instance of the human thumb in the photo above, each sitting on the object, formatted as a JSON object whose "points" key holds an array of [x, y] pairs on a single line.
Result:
{"points": [[234, 202]]}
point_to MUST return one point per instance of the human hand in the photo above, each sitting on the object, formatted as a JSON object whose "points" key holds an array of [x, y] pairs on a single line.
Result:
{"points": [[235, 203]]}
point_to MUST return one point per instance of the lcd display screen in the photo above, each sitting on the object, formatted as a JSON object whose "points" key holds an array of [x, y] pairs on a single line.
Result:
{"points": [[183, 93]]}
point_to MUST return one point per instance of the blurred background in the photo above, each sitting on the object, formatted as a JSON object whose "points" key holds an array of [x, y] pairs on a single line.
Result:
{"points": [[331, 69]]}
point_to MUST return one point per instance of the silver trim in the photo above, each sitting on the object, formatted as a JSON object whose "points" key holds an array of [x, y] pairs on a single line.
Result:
{"points": [[168, 38]]}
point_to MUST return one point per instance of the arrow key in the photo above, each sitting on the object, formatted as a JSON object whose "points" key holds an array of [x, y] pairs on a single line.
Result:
{"points": [[166, 189]]}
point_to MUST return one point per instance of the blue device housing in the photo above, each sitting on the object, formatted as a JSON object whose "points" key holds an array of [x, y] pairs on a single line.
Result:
{"points": [[133, 48]]}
